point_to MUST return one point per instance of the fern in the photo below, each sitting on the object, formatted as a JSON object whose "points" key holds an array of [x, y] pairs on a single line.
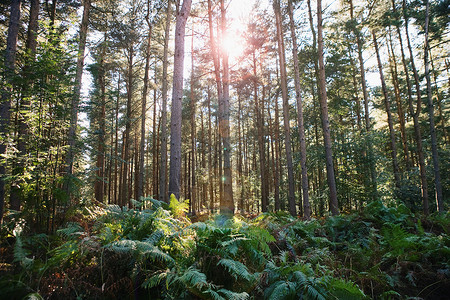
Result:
{"points": [[237, 269], [193, 278], [282, 290], [341, 289], [178, 209], [227, 294]]}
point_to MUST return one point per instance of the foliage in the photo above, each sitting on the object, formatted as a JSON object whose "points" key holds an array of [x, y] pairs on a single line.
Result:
{"points": [[113, 252]]}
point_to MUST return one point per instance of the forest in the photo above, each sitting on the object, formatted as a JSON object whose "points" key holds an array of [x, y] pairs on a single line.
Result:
{"points": [[225, 149]]}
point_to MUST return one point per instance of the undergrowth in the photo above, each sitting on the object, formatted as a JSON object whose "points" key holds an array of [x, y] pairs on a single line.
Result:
{"points": [[153, 251]]}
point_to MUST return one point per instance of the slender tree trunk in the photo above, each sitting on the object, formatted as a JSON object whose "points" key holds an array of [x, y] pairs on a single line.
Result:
{"points": [[287, 130], [359, 43], [141, 175], [177, 96], [324, 112], [193, 137], [389, 115], [16, 195], [434, 147], [116, 143], [210, 150], [414, 113], [5, 104], [259, 123], [127, 139], [72, 134], [226, 202], [398, 100], [301, 127], [163, 164], [100, 180]]}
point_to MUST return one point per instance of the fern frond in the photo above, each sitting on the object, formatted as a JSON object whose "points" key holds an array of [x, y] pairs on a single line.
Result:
{"points": [[150, 251], [227, 294], [345, 290], [155, 279], [282, 290], [72, 230], [193, 278], [236, 269]]}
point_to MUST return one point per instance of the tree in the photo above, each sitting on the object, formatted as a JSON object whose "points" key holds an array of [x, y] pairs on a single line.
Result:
{"points": [[434, 151], [141, 174], [72, 134], [177, 95], [163, 162], [324, 113], [301, 126], [226, 201], [287, 131], [5, 104], [387, 105]]}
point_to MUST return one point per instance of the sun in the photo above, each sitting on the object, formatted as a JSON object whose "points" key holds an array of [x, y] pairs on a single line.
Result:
{"points": [[233, 44]]}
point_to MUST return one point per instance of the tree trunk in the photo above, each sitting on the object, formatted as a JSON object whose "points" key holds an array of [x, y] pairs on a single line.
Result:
{"points": [[287, 130], [72, 134], [434, 150], [163, 164], [301, 127], [398, 101], [359, 43], [99, 182], [193, 137], [414, 113], [324, 112], [5, 104], [177, 96], [389, 115], [16, 195], [141, 175], [127, 139], [226, 199]]}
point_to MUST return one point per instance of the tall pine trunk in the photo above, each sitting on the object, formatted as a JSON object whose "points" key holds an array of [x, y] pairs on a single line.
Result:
{"points": [[324, 112], [5, 104], [72, 134], [141, 174], [387, 105], [163, 150], [434, 150], [287, 130], [177, 96], [301, 127], [226, 203]]}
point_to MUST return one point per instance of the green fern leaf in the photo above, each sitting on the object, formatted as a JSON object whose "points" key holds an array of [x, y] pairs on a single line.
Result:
{"points": [[283, 290], [227, 294], [237, 269], [193, 278]]}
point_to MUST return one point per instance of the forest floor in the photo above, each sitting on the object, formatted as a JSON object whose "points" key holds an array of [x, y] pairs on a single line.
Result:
{"points": [[158, 253]]}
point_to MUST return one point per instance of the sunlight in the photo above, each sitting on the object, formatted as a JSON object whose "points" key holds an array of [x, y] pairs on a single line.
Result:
{"points": [[233, 44]]}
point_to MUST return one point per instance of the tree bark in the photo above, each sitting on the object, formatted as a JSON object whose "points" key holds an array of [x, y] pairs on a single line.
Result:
{"points": [[177, 96], [359, 43], [163, 164], [227, 203], [414, 113], [301, 127], [324, 112], [72, 134], [434, 150], [141, 175], [5, 104], [287, 130], [389, 115]]}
